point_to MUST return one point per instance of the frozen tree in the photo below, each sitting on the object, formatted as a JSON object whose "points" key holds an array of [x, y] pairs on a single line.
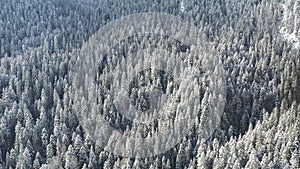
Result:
{"points": [[253, 161], [71, 158], [24, 160], [36, 162], [295, 162]]}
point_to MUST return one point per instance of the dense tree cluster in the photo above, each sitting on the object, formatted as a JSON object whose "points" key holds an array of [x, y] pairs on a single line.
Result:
{"points": [[39, 104]]}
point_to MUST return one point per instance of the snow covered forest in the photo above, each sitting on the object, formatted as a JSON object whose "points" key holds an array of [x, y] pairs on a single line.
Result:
{"points": [[257, 42]]}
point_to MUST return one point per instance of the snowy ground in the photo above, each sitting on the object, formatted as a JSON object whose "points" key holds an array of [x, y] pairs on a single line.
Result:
{"points": [[290, 37]]}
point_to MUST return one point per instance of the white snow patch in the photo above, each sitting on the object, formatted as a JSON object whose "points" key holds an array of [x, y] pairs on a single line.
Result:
{"points": [[182, 7], [290, 37], [286, 34]]}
